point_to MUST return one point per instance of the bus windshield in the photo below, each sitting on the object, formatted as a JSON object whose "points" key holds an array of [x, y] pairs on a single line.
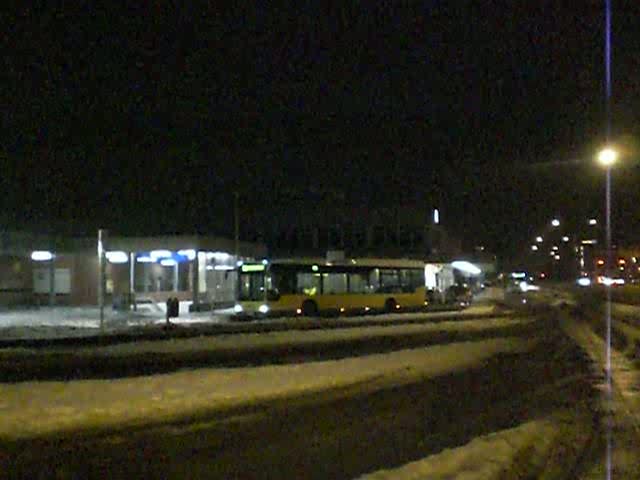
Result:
{"points": [[251, 286]]}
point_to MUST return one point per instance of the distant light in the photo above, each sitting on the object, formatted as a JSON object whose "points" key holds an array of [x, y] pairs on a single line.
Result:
{"points": [[239, 263], [607, 157], [253, 268], [223, 268], [526, 287], [534, 248], [584, 282], [265, 261], [190, 253], [600, 262], [554, 248], [543, 275], [237, 308], [264, 308], [518, 275], [366, 309], [593, 221], [298, 311], [565, 239], [436, 216], [144, 259], [591, 241], [634, 259], [555, 222], [314, 268], [622, 261], [539, 239], [466, 267], [41, 256], [610, 281], [397, 307], [341, 309], [157, 254], [218, 256], [168, 262], [117, 257], [557, 257]]}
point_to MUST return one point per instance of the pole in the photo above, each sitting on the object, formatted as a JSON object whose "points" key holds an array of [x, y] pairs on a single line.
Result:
{"points": [[609, 389], [236, 215], [132, 280], [101, 275], [52, 278]]}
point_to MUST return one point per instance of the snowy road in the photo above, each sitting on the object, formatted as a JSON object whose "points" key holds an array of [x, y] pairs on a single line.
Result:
{"points": [[358, 413]]}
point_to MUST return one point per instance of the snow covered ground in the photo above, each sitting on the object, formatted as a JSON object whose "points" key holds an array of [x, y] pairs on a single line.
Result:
{"points": [[621, 408], [298, 338], [520, 452], [32, 409], [55, 322], [59, 322]]}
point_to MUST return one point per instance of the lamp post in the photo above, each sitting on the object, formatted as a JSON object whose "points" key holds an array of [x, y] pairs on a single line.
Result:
{"points": [[607, 157]]}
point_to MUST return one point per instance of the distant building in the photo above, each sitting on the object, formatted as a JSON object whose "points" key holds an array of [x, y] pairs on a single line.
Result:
{"points": [[36, 269], [399, 232]]}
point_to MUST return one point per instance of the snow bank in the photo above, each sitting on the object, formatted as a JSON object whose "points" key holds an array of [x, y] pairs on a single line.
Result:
{"points": [[484, 458], [38, 408], [295, 337], [541, 449]]}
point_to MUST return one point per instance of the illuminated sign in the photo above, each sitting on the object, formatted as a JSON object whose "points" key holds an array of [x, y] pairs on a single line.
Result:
{"points": [[253, 268]]}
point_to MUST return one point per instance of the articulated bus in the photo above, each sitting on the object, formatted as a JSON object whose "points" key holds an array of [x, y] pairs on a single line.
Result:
{"points": [[312, 287]]}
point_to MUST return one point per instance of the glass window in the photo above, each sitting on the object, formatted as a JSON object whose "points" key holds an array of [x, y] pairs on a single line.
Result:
{"points": [[359, 282], [389, 281], [284, 281], [334, 283], [251, 286], [308, 283], [410, 279]]}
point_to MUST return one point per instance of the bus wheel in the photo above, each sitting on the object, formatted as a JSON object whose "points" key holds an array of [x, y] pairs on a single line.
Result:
{"points": [[309, 308], [390, 305]]}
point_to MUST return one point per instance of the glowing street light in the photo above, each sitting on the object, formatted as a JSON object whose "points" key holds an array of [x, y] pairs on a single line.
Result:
{"points": [[565, 239], [555, 222], [607, 157], [593, 221], [539, 239], [534, 248]]}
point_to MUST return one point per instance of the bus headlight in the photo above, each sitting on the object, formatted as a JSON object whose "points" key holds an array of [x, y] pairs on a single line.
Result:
{"points": [[263, 308], [237, 308]]}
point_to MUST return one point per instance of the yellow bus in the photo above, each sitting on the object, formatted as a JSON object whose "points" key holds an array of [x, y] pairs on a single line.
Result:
{"points": [[313, 287]]}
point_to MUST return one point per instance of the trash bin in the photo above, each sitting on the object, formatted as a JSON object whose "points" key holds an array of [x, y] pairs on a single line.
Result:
{"points": [[173, 308]]}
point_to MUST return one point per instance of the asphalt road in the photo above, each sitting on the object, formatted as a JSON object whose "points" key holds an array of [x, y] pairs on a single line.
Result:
{"points": [[330, 436]]}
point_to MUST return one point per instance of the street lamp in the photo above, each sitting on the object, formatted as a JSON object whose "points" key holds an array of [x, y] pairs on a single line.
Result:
{"points": [[539, 239], [555, 222], [607, 157]]}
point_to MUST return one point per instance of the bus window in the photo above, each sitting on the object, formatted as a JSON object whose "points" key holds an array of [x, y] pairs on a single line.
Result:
{"points": [[334, 283], [308, 283], [389, 281], [284, 281], [251, 286], [358, 283], [410, 279]]}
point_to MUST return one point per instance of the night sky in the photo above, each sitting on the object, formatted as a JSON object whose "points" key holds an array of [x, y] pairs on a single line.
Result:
{"points": [[145, 120]]}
